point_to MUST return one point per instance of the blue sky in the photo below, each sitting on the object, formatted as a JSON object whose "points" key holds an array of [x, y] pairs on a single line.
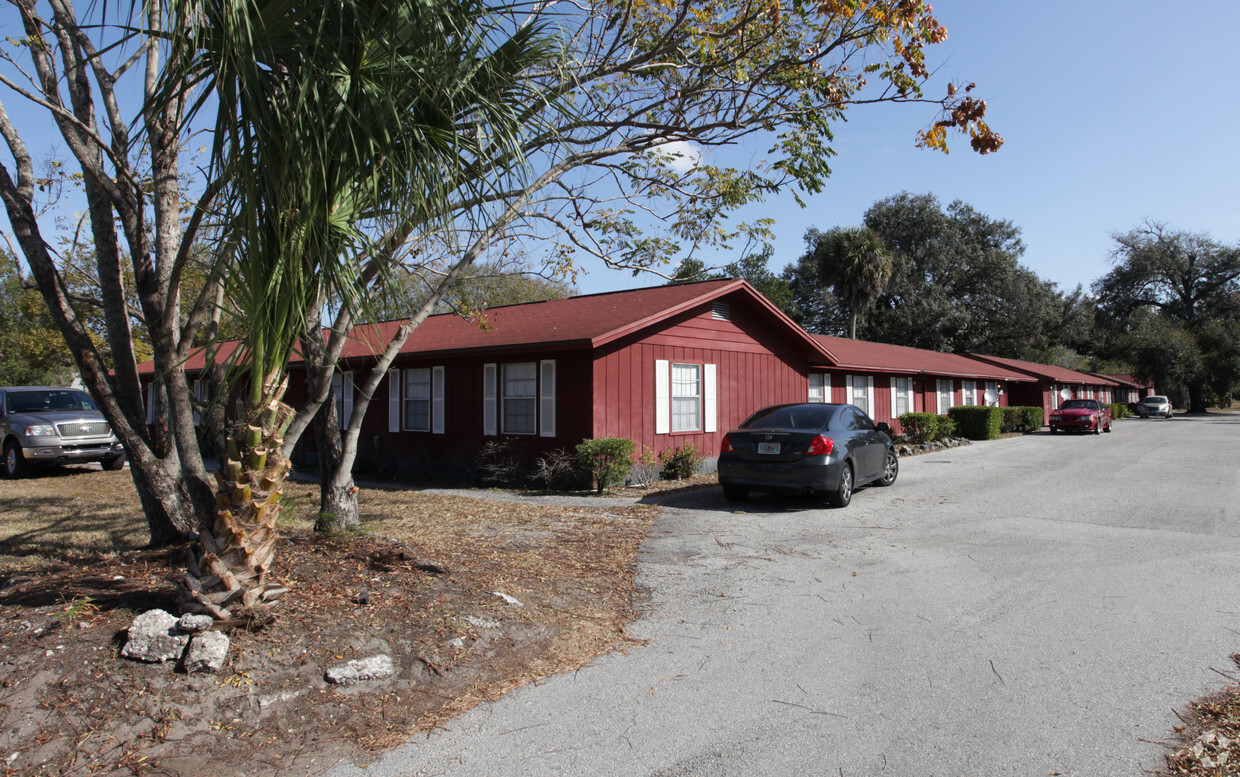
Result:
{"points": [[1112, 112]]}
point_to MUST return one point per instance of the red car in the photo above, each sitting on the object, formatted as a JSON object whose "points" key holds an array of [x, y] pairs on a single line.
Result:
{"points": [[1081, 415]]}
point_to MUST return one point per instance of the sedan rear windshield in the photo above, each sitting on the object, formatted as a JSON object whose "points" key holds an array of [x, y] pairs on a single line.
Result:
{"points": [[43, 401], [796, 417], [1078, 404]]}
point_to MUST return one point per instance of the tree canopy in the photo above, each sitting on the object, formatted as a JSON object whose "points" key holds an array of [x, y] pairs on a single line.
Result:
{"points": [[1172, 304], [956, 285]]}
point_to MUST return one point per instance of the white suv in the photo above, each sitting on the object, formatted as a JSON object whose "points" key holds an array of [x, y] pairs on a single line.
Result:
{"points": [[47, 425]]}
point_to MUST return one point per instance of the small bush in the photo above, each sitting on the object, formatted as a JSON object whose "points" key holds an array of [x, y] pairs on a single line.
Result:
{"points": [[497, 462], [1119, 410], [1021, 420], [607, 459], [977, 423], [924, 427], [680, 462], [647, 467], [556, 469]]}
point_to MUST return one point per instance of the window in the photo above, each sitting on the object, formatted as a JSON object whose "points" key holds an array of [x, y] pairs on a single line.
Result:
{"points": [[200, 396], [968, 391], [417, 400], [819, 387], [686, 397], [519, 398], [516, 398], [946, 393], [342, 396], [901, 396], [861, 392]]}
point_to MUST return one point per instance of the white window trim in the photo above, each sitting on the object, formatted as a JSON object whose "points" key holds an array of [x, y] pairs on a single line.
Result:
{"points": [[437, 400], [342, 392], [699, 396], [938, 394], [490, 400], [824, 387], [546, 398], [394, 399], [896, 391], [662, 396], [968, 392], [867, 381], [430, 399], [709, 399]]}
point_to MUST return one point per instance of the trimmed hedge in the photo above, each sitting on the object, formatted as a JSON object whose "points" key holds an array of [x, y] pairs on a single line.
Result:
{"points": [[924, 427], [976, 422], [1021, 420], [1119, 410]]}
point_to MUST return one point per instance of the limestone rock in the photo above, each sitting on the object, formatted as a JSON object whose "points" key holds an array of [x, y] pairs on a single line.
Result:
{"points": [[359, 670], [155, 638], [207, 652]]}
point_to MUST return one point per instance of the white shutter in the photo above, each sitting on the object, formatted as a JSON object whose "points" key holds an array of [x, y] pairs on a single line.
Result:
{"points": [[662, 397], [347, 404], [895, 388], [150, 403], [546, 398], [393, 400], [490, 403], [709, 400], [869, 395], [437, 400]]}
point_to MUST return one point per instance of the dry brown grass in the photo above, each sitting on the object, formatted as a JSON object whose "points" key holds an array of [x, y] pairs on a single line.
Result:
{"points": [[74, 572]]}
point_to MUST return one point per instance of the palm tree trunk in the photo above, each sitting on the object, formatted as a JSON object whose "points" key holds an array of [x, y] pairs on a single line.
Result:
{"points": [[231, 563]]}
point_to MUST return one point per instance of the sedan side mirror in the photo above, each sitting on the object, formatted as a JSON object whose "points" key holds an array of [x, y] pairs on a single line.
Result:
{"points": [[883, 427]]}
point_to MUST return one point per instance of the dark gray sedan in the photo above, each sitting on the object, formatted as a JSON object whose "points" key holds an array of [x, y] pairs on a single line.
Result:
{"points": [[807, 448]]}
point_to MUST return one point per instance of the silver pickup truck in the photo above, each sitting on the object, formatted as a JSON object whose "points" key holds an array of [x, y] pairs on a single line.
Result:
{"points": [[47, 425]]}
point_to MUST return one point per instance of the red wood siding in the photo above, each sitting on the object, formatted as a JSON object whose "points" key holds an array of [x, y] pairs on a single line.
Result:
{"points": [[755, 366]]}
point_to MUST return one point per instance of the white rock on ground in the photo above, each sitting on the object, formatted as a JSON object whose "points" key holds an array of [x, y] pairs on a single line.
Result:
{"points": [[358, 670], [155, 638], [207, 652]]}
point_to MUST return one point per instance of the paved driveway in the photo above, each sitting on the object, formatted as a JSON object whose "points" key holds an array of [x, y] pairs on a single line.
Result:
{"points": [[1033, 606]]}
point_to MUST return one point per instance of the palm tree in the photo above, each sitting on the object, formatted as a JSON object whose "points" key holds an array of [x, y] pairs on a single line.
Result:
{"points": [[856, 264], [330, 117]]}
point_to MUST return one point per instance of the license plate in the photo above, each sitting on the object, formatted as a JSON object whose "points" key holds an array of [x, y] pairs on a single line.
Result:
{"points": [[768, 448]]}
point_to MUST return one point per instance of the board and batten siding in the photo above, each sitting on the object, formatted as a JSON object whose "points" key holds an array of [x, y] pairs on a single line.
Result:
{"points": [[753, 367]]}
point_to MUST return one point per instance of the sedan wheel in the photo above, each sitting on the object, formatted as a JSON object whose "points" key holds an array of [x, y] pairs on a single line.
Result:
{"points": [[841, 496], [891, 468]]}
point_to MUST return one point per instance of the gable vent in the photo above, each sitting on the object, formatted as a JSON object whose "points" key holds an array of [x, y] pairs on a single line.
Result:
{"points": [[721, 311]]}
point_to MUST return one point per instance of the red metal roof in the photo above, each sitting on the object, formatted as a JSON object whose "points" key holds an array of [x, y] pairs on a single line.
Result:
{"points": [[1049, 372], [585, 321], [899, 359]]}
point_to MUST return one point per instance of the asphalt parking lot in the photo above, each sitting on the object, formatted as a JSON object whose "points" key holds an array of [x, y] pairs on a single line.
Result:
{"points": [[1030, 606]]}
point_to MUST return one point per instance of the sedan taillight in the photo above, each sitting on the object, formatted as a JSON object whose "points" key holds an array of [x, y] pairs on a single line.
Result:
{"points": [[726, 445], [821, 446]]}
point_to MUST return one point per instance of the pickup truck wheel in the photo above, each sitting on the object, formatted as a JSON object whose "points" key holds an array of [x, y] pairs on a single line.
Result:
{"points": [[113, 465], [14, 462]]}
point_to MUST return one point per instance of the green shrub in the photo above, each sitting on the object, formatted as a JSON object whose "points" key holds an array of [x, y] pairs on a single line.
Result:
{"points": [[975, 422], [681, 462], [924, 427], [1119, 410], [607, 459], [1021, 420]]}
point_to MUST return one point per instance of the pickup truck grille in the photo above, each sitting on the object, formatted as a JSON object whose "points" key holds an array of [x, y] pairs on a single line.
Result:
{"points": [[83, 429]]}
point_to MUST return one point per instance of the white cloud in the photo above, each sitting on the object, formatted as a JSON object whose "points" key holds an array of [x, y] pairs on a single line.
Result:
{"points": [[685, 156]]}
